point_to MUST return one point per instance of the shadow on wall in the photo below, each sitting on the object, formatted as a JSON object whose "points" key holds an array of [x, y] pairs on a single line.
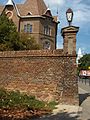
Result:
{"points": [[59, 116], [83, 97]]}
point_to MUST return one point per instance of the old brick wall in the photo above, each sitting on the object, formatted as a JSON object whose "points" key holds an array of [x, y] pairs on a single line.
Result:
{"points": [[47, 74]]}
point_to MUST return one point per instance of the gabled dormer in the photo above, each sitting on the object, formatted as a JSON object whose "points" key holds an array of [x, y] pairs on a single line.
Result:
{"points": [[8, 9], [9, 5], [48, 13]]}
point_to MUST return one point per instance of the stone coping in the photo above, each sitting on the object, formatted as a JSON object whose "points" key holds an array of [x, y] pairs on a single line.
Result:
{"points": [[34, 53]]}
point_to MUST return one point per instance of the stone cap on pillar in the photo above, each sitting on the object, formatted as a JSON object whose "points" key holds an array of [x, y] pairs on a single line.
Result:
{"points": [[69, 29], [69, 38]]}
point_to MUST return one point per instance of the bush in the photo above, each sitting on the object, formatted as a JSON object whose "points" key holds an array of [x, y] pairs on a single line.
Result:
{"points": [[52, 105], [15, 99], [28, 43]]}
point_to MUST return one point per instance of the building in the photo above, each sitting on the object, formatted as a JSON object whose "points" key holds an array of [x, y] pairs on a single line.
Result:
{"points": [[33, 17], [84, 74]]}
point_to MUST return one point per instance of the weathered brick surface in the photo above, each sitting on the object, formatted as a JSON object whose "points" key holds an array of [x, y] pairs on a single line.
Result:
{"points": [[49, 75]]}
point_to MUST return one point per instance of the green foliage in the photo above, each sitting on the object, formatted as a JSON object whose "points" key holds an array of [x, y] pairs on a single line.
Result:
{"points": [[15, 99], [84, 62], [10, 39], [8, 35], [52, 104], [28, 42]]}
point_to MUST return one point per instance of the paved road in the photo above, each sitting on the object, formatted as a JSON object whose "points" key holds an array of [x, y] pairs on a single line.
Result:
{"points": [[84, 95], [84, 86], [85, 81]]}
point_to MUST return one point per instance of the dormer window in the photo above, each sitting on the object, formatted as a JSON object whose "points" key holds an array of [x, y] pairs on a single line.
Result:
{"points": [[29, 13], [48, 12]]}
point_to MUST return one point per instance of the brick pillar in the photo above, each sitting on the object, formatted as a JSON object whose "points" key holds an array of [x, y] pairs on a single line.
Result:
{"points": [[69, 37], [70, 81]]}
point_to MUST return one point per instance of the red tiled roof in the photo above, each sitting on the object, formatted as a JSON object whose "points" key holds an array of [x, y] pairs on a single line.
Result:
{"points": [[36, 7]]}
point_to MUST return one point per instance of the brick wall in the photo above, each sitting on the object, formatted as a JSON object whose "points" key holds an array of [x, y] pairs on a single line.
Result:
{"points": [[47, 74]]}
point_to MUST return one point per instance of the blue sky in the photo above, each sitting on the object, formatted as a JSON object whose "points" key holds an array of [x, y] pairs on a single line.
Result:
{"points": [[81, 9]]}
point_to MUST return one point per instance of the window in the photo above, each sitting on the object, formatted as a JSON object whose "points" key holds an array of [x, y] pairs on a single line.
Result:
{"points": [[25, 28], [47, 30], [28, 28], [46, 45]]}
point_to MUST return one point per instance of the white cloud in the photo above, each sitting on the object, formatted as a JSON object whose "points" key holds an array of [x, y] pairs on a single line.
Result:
{"points": [[79, 17], [81, 13], [54, 2]]}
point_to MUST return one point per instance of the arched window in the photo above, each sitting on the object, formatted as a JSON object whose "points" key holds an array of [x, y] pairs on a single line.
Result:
{"points": [[46, 45]]}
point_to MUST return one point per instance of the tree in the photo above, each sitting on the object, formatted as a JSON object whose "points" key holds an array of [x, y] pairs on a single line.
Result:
{"points": [[28, 43], [84, 62], [10, 39]]}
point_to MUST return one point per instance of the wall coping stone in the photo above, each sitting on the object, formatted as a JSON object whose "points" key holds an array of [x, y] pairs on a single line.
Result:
{"points": [[35, 53]]}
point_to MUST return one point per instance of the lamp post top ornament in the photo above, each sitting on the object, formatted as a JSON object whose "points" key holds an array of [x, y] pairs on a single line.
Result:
{"points": [[69, 10], [69, 16]]}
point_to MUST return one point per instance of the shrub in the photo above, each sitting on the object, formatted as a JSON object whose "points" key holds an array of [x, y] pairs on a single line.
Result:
{"points": [[15, 99], [52, 105]]}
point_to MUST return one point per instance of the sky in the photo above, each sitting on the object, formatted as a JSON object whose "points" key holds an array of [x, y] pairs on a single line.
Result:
{"points": [[81, 10]]}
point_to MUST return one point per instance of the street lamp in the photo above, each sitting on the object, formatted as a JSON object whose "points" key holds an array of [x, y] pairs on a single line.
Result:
{"points": [[69, 15]]}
